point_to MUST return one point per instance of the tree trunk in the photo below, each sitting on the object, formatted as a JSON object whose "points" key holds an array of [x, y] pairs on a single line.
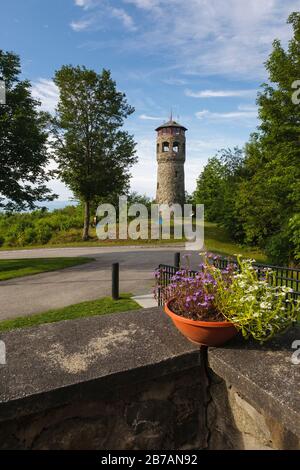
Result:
{"points": [[86, 225]]}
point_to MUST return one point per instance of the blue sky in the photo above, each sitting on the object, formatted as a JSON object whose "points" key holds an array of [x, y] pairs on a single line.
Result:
{"points": [[203, 58]]}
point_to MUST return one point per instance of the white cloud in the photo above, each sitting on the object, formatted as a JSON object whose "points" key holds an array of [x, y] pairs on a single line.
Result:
{"points": [[81, 25], [219, 93], [46, 91], [86, 4], [82, 3], [213, 36], [151, 5], [243, 112], [96, 18], [146, 117], [124, 18], [200, 37], [175, 81], [247, 107]]}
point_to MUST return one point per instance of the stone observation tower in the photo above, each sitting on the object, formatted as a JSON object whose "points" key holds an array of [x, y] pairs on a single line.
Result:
{"points": [[170, 150]]}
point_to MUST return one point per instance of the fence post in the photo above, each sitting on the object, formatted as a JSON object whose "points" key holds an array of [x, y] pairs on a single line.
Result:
{"points": [[177, 260], [115, 281]]}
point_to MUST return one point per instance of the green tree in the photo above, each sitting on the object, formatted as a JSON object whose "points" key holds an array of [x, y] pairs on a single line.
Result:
{"points": [[255, 194], [136, 198], [234, 173], [210, 189], [94, 154], [270, 195], [23, 137], [217, 189]]}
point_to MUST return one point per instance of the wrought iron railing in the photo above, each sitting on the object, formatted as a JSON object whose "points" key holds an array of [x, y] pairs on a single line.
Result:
{"points": [[289, 277]]}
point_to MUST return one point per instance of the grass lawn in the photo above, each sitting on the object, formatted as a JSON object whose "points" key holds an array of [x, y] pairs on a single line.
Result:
{"points": [[218, 241], [11, 268], [95, 243], [100, 306]]}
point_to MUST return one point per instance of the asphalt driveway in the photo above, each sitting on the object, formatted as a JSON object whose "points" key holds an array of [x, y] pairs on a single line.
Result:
{"points": [[41, 292]]}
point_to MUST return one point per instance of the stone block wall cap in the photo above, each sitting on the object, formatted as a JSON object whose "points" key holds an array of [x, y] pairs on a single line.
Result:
{"points": [[56, 360], [263, 375]]}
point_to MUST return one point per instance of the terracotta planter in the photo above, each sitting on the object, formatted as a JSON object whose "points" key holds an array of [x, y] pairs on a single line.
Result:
{"points": [[205, 333]]}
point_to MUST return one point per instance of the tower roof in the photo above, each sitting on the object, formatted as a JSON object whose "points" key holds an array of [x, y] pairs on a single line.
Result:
{"points": [[171, 123]]}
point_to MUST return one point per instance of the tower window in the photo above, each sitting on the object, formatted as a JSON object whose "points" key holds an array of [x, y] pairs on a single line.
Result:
{"points": [[176, 147], [176, 174], [165, 146], [157, 148], [157, 185], [177, 130]]}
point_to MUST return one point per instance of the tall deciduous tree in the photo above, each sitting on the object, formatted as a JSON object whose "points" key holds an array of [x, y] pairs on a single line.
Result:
{"points": [[210, 190], [270, 197], [93, 152], [260, 192], [23, 138], [217, 188]]}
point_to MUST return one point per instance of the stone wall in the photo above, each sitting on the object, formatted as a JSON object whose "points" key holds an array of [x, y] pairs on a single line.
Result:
{"points": [[161, 414], [131, 381], [233, 423], [182, 411]]}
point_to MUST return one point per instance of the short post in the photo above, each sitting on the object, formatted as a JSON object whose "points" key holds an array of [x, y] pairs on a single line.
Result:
{"points": [[177, 260], [115, 281]]}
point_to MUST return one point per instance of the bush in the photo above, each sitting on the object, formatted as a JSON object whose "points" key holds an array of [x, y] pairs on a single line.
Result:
{"points": [[278, 249], [44, 234], [29, 237], [40, 227], [294, 235], [70, 236]]}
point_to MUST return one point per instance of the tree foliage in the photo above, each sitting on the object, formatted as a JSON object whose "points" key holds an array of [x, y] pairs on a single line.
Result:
{"points": [[260, 201], [93, 152], [209, 191], [23, 137], [217, 188]]}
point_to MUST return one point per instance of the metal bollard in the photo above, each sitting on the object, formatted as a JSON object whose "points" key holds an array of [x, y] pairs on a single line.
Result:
{"points": [[115, 281], [177, 260]]}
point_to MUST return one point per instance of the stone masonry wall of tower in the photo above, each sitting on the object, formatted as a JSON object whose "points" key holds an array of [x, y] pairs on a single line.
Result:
{"points": [[170, 151]]}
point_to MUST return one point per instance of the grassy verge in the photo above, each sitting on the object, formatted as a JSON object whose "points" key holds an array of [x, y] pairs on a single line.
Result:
{"points": [[218, 241], [95, 243], [91, 308], [11, 268]]}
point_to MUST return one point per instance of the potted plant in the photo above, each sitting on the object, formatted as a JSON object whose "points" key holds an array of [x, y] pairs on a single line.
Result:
{"points": [[211, 307]]}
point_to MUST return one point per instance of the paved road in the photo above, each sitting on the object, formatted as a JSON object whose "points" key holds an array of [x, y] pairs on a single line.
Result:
{"points": [[33, 294]]}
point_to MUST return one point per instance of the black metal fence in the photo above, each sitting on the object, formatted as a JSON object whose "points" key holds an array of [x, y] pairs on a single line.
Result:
{"points": [[289, 277]]}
